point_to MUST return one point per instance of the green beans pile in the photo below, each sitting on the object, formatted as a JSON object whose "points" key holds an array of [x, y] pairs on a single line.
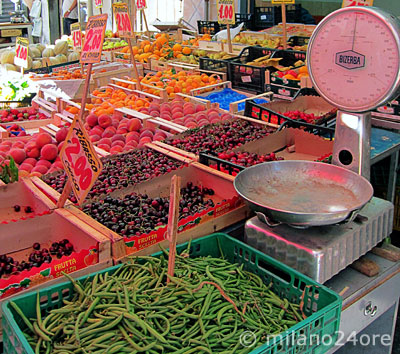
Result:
{"points": [[205, 308]]}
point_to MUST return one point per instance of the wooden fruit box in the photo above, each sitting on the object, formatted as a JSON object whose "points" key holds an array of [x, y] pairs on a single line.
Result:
{"points": [[211, 45], [92, 251], [22, 193], [228, 209], [236, 48], [233, 106]]}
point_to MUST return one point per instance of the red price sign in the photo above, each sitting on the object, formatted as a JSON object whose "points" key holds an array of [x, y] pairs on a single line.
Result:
{"points": [[347, 3], [21, 52], [76, 36], [226, 12], [141, 4], [95, 30], [98, 4], [80, 161], [122, 19]]}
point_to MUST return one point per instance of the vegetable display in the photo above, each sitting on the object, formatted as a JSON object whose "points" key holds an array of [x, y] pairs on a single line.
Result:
{"points": [[207, 306]]}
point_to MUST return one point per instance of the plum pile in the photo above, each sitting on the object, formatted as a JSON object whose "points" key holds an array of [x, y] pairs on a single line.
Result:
{"points": [[137, 214], [215, 138], [8, 265], [121, 171]]}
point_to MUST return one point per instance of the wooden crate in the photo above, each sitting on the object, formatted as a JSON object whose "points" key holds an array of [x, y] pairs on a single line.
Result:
{"points": [[23, 193], [236, 48], [211, 45], [92, 251], [229, 209]]}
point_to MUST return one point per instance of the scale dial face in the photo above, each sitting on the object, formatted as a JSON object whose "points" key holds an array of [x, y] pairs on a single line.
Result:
{"points": [[353, 58]]}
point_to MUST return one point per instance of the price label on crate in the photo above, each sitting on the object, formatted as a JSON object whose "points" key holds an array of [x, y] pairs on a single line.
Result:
{"points": [[282, 1], [98, 4], [347, 3], [141, 4], [21, 52], [76, 36], [80, 161], [121, 14], [226, 12], [93, 45]]}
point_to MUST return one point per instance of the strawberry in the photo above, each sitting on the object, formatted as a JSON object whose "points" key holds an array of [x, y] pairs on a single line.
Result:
{"points": [[14, 111], [32, 111]]}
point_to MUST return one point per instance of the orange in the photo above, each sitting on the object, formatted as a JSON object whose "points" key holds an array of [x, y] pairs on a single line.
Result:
{"points": [[186, 50], [177, 47]]}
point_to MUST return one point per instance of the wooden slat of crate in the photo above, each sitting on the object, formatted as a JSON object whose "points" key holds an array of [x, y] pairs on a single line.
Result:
{"points": [[210, 45]]}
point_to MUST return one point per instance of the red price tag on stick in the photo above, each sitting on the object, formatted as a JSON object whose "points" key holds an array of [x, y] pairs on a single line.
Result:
{"points": [[93, 45], [122, 19], [76, 34], [21, 52], [347, 3], [226, 12], [141, 4], [80, 161]]}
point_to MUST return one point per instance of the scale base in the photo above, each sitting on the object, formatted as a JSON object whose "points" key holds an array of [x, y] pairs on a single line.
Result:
{"points": [[323, 251]]}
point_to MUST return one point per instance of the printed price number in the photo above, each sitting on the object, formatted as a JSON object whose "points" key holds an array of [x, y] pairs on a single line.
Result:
{"points": [[226, 12], [21, 52], [123, 20], [98, 3], [80, 161], [93, 45], [347, 3], [141, 4], [76, 36]]}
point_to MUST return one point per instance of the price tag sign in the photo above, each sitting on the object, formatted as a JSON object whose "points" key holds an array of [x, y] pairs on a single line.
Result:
{"points": [[226, 12], [141, 4], [93, 45], [76, 34], [21, 52], [80, 161], [347, 3], [282, 1], [98, 4], [121, 14]]}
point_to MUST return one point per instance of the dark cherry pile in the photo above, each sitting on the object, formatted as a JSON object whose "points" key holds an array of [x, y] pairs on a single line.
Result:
{"points": [[137, 214], [36, 258], [215, 138], [247, 159], [121, 171]]}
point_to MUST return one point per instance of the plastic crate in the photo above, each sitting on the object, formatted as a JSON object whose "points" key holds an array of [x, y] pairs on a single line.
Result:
{"points": [[210, 27], [249, 77], [298, 40], [265, 17], [247, 19], [220, 164], [293, 13], [322, 305], [219, 65]]}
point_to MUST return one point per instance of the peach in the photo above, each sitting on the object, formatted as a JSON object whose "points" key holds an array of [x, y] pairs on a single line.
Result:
{"points": [[115, 123], [97, 130], [132, 136], [25, 167], [104, 147], [226, 116], [177, 115], [61, 134], [116, 149], [6, 143], [132, 143], [154, 114], [188, 110], [95, 138], [145, 133], [106, 141], [191, 125], [134, 125], [107, 134], [118, 143], [44, 163], [18, 144], [104, 120], [43, 139], [122, 131], [4, 148], [118, 137], [31, 161], [117, 116], [18, 155], [58, 165], [92, 120], [200, 107], [49, 152], [154, 106], [41, 169], [145, 139], [60, 146]]}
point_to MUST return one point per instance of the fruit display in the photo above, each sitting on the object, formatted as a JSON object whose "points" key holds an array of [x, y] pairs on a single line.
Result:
{"points": [[37, 257], [196, 54], [65, 75], [116, 133], [227, 96], [37, 155], [137, 214], [122, 170], [15, 130], [187, 114], [292, 74], [114, 45], [299, 115], [215, 138], [21, 114], [207, 307]]}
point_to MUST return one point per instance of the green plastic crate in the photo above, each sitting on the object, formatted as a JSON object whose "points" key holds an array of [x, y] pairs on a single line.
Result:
{"points": [[316, 334]]}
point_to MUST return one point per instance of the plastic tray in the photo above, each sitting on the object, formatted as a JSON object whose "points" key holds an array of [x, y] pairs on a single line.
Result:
{"points": [[322, 305]]}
